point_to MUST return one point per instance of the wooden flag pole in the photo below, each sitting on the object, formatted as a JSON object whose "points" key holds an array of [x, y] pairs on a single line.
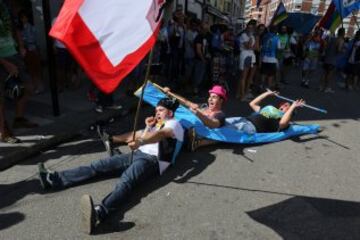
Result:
{"points": [[341, 17], [147, 74]]}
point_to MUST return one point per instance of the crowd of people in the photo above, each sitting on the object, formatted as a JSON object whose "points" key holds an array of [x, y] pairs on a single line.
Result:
{"points": [[191, 55], [195, 55]]}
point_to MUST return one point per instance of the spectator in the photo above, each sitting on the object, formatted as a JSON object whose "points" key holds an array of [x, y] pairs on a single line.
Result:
{"points": [[247, 60], [189, 56], [271, 44], [312, 50], [176, 33], [165, 49], [11, 64], [285, 46], [261, 32], [32, 57], [335, 46], [67, 69], [201, 48], [353, 67]]}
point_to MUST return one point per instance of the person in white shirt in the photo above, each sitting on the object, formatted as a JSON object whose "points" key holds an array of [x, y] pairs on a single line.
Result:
{"points": [[247, 60], [154, 149], [353, 67]]}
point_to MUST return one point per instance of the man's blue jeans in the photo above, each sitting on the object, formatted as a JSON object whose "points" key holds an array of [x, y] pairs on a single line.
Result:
{"points": [[142, 167]]}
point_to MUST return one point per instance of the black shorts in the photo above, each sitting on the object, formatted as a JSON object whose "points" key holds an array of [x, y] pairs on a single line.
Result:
{"points": [[353, 69], [268, 69], [329, 67]]}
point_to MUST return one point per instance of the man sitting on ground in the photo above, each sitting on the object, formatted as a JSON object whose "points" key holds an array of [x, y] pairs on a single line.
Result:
{"points": [[210, 114], [155, 148]]}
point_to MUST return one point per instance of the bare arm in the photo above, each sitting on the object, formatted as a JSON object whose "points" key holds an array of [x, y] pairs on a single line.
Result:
{"points": [[153, 137], [255, 104], [181, 99], [285, 120], [126, 137], [209, 122]]}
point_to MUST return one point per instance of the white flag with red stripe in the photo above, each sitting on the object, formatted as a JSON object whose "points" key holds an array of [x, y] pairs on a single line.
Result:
{"points": [[108, 38]]}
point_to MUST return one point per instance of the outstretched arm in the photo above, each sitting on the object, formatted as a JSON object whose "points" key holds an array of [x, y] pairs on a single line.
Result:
{"points": [[126, 137], [255, 104], [181, 99], [285, 120]]}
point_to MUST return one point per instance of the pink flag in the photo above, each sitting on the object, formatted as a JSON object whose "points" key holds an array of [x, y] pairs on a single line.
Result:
{"points": [[108, 38]]}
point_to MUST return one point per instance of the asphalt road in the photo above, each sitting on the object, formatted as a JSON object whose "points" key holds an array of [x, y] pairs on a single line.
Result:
{"points": [[304, 188]]}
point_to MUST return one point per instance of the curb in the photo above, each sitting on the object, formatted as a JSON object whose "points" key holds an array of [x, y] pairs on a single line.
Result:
{"points": [[70, 130]]}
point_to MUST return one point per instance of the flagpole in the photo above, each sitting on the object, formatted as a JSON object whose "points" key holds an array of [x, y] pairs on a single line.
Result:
{"points": [[341, 16], [51, 59], [147, 74]]}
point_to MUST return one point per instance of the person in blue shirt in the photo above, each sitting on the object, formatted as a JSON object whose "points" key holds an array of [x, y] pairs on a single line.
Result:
{"points": [[270, 45]]}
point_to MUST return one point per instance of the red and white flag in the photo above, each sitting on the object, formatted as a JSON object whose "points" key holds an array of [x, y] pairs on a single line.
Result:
{"points": [[108, 38]]}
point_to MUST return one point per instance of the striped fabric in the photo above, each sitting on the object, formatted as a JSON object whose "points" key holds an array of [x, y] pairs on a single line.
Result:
{"points": [[279, 15], [331, 20]]}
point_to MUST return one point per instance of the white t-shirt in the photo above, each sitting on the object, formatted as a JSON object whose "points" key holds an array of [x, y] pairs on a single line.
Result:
{"points": [[245, 53], [244, 39], [153, 148]]}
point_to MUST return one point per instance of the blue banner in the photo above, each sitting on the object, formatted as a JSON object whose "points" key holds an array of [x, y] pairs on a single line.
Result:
{"points": [[224, 134], [346, 7]]}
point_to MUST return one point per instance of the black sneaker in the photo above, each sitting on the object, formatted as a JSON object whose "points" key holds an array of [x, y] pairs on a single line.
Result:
{"points": [[88, 214], [44, 176], [105, 138]]}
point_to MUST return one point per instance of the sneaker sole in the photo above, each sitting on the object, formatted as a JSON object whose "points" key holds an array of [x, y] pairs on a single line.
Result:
{"points": [[87, 214], [40, 169], [106, 143]]}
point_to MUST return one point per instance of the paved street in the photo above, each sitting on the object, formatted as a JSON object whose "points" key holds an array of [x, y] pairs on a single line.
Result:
{"points": [[304, 188]]}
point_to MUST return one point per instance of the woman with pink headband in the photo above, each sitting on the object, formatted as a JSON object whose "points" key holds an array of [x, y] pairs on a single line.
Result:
{"points": [[211, 114]]}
